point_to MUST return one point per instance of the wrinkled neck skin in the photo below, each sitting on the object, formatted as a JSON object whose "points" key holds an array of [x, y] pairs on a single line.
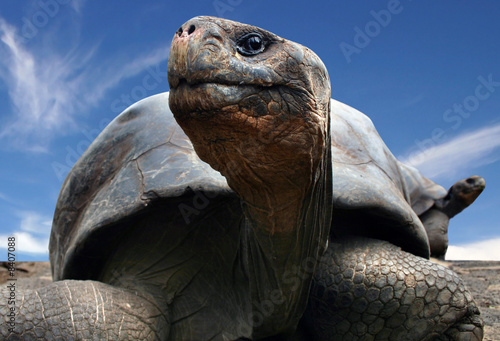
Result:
{"points": [[283, 248], [281, 170], [286, 200]]}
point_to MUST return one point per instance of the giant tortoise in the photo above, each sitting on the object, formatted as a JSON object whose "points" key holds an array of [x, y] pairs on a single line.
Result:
{"points": [[215, 222]]}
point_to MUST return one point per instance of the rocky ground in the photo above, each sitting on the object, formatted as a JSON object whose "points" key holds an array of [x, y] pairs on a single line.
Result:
{"points": [[482, 278]]}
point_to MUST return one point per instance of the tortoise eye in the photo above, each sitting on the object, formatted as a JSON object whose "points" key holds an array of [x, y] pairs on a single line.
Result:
{"points": [[251, 44]]}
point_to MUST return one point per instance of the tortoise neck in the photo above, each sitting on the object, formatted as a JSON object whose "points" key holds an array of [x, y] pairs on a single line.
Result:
{"points": [[283, 244], [454, 207], [274, 210]]}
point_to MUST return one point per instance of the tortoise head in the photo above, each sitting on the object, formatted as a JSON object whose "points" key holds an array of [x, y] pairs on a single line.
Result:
{"points": [[462, 194], [252, 103]]}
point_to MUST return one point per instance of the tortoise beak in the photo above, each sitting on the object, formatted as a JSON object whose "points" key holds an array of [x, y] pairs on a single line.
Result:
{"points": [[476, 185], [177, 60], [477, 182], [192, 51]]}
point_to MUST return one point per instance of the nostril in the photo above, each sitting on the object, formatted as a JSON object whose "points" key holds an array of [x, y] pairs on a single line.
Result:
{"points": [[185, 31], [470, 181]]}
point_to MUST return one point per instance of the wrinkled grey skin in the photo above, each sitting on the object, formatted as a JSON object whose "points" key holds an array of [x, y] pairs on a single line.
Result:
{"points": [[149, 242]]}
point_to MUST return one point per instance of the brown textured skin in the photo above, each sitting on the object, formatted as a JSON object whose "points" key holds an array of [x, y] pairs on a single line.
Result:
{"points": [[367, 289]]}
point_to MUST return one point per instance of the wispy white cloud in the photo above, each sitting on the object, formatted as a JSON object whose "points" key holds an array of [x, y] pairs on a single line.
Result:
{"points": [[4, 197], [8, 199], [33, 88], [466, 151], [482, 250], [32, 236], [49, 88], [34, 222]]}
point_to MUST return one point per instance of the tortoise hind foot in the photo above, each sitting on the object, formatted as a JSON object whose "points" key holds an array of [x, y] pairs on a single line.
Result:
{"points": [[82, 310], [469, 328]]}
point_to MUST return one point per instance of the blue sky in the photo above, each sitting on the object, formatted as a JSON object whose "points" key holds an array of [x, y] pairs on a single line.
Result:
{"points": [[427, 73]]}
